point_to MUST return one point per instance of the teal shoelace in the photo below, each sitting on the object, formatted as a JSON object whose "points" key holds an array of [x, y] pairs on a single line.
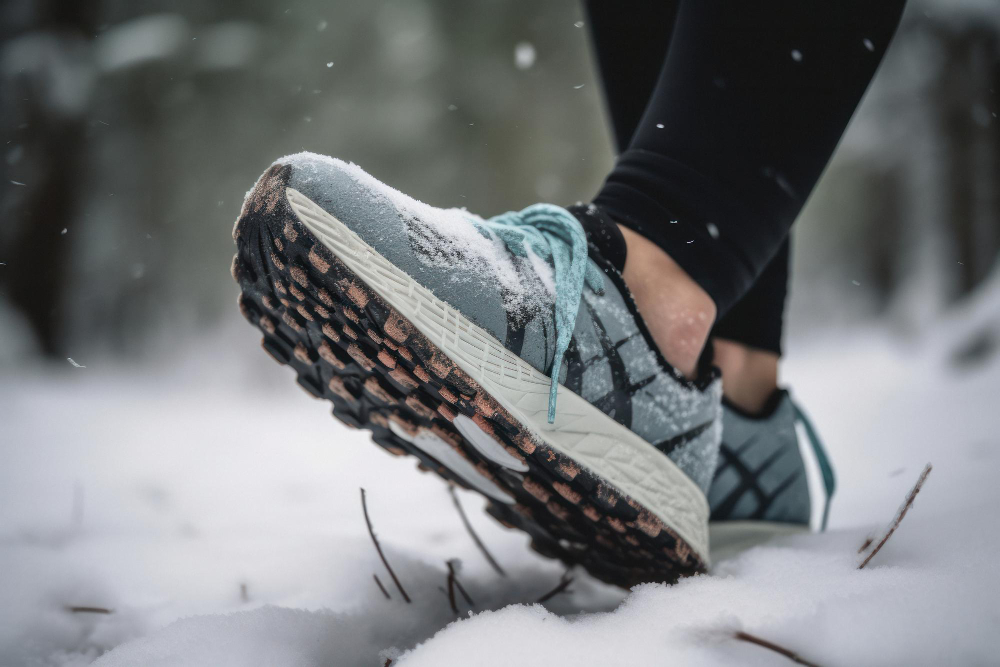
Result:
{"points": [[829, 480], [556, 236]]}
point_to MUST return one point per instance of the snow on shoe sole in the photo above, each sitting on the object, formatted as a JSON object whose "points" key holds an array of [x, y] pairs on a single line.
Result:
{"points": [[427, 382]]}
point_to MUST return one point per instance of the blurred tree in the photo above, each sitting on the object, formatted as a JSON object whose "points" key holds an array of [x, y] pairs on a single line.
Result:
{"points": [[966, 103], [138, 125], [46, 94]]}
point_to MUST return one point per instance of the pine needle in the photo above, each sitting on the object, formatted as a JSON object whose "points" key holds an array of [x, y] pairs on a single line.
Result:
{"points": [[89, 610], [900, 513], [378, 548], [381, 587], [472, 533], [771, 646], [564, 583]]}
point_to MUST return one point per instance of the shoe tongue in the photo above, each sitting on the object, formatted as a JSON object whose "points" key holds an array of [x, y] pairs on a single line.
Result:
{"points": [[602, 234]]}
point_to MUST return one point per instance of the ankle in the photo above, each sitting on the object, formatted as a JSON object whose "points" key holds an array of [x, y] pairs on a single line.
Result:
{"points": [[749, 375], [677, 311]]}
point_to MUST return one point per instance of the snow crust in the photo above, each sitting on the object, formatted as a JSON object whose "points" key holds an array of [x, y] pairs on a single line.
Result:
{"points": [[214, 512]]}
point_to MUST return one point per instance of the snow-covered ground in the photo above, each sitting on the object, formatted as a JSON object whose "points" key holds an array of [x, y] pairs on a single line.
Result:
{"points": [[213, 509]]}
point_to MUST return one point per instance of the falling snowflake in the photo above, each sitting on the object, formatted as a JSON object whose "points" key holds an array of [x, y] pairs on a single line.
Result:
{"points": [[524, 55]]}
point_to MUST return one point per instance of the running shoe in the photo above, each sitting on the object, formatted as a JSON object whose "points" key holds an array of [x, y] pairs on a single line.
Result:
{"points": [[505, 354], [773, 477]]}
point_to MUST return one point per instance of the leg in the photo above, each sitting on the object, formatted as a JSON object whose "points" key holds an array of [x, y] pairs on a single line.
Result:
{"points": [[630, 39], [764, 479], [747, 339], [735, 136]]}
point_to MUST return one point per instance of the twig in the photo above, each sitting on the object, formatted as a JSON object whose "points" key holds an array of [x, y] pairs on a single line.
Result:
{"points": [[381, 587], [453, 575], [388, 661], [89, 610], [564, 583], [900, 513], [378, 548], [472, 533], [451, 591], [791, 655], [461, 589], [868, 543]]}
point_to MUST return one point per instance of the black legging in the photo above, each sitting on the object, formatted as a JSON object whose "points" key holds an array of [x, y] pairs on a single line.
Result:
{"points": [[726, 113]]}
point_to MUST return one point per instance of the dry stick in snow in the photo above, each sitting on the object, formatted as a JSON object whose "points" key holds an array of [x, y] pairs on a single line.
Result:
{"points": [[378, 548], [381, 587], [472, 533], [453, 576], [868, 543], [451, 591], [791, 655], [89, 610], [564, 583], [454, 583], [900, 513]]}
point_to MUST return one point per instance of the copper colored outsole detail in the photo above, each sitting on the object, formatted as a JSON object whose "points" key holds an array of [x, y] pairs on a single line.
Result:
{"points": [[350, 347]]}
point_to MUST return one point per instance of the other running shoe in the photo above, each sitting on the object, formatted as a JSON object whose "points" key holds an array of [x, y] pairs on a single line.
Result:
{"points": [[773, 478]]}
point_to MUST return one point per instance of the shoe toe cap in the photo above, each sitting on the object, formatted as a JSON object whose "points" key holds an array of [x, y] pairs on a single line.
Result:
{"points": [[390, 222]]}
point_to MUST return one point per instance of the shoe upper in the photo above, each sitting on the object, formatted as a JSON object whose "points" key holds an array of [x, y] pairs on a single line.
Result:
{"points": [[610, 360], [771, 468]]}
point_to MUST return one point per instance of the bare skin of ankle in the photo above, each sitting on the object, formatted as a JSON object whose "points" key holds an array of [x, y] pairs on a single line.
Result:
{"points": [[749, 375], [678, 312]]}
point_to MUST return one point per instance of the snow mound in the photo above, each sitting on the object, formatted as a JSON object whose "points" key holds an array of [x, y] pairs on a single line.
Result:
{"points": [[265, 636], [216, 537]]}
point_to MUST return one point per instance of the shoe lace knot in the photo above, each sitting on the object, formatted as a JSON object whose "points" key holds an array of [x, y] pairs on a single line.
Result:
{"points": [[556, 236]]}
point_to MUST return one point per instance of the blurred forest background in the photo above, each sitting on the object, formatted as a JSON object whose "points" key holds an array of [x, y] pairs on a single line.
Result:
{"points": [[131, 131]]}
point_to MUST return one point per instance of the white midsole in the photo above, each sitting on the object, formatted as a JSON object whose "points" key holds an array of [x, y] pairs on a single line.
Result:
{"points": [[582, 432]]}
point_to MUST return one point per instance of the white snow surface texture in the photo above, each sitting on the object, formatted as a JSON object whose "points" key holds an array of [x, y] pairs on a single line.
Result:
{"points": [[214, 510]]}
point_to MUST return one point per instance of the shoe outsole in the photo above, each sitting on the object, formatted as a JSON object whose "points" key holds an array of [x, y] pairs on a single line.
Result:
{"points": [[348, 346]]}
